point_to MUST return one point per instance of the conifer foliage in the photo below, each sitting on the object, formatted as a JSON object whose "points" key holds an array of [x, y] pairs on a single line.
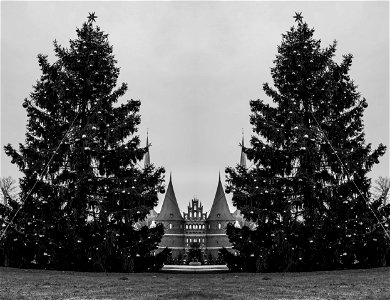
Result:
{"points": [[83, 187], [308, 188]]}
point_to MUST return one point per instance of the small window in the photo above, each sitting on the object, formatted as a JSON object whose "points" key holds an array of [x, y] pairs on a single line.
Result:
{"points": [[218, 215], [170, 226], [171, 215]]}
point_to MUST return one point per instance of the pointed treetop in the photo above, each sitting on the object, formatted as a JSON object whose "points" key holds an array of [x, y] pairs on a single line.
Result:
{"points": [[298, 17], [170, 209], [92, 18], [220, 209]]}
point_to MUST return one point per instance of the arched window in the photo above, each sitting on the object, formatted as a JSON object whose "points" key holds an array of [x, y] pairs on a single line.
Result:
{"points": [[219, 226], [170, 226]]}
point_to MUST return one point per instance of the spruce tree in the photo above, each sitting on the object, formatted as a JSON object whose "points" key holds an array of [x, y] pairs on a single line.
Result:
{"points": [[308, 190], [83, 187]]}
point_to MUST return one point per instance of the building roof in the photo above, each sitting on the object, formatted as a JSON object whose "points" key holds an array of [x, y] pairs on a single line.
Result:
{"points": [[243, 155], [170, 209], [147, 154], [220, 209]]}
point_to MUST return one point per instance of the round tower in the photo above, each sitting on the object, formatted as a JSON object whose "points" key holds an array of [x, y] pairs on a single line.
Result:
{"points": [[216, 223], [173, 222]]}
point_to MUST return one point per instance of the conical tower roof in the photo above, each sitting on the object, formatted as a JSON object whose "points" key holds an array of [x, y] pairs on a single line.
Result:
{"points": [[220, 209], [170, 209]]}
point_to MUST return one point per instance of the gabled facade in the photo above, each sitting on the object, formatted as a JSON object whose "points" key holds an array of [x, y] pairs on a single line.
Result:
{"points": [[195, 225]]}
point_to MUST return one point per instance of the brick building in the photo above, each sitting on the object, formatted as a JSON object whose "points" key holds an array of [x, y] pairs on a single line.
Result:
{"points": [[194, 225]]}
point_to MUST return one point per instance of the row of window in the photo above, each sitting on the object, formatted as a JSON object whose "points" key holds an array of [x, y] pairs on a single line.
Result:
{"points": [[196, 240], [195, 215], [201, 244], [196, 226]]}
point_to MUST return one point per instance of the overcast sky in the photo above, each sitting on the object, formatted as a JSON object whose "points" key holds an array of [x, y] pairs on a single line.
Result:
{"points": [[195, 66]]}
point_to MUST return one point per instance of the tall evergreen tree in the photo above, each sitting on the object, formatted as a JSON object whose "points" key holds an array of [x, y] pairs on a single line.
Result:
{"points": [[309, 188], [83, 188]]}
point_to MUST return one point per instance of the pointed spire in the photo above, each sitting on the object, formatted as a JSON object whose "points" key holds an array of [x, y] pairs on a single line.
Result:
{"points": [[170, 209], [147, 154], [243, 155], [220, 209]]}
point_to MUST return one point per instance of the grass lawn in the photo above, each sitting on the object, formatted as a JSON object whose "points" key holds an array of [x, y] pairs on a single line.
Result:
{"points": [[351, 284]]}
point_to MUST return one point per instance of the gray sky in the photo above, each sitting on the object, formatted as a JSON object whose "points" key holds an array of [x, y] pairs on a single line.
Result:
{"points": [[195, 66]]}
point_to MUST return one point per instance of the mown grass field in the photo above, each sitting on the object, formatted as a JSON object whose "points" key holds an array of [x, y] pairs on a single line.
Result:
{"points": [[349, 284]]}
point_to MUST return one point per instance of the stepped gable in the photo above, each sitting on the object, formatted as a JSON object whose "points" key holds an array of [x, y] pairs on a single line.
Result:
{"points": [[170, 209], [220, 209]]}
